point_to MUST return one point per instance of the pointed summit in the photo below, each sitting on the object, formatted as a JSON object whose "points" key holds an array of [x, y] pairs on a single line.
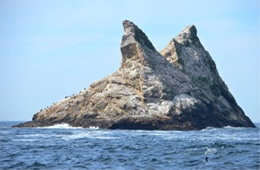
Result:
{"points": [[188, 35], [190, 31], [129, 27], [187, 53], [134, 42], [132, 31]]}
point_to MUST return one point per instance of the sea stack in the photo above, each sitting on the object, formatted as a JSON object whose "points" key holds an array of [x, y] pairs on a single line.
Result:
{"points": [[178, 88]]}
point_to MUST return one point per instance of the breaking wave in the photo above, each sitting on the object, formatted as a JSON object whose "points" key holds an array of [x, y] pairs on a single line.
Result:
{"points": [[61, 126]]}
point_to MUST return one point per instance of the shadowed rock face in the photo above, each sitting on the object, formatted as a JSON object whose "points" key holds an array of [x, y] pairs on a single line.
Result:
{"points": [[178, 88]]}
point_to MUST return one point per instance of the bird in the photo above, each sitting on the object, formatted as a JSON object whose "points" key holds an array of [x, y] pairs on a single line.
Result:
{"points": [[206, 159]]}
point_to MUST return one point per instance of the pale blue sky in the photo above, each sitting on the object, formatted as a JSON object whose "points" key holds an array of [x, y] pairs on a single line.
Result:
{"points": [[50, 48]]}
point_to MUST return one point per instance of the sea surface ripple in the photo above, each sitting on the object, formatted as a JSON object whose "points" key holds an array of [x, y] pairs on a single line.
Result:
{"points": [[64, 147]]}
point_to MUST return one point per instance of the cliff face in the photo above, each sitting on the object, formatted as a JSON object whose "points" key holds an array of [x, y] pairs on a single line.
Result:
{"points": [[178, 88]]}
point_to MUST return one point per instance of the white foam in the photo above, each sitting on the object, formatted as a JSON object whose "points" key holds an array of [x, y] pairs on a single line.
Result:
{"points": [[89, 134], [33, 135], [61, 126], [75, 136], [210, 151], [93, 127], [226, 127], [210, 129], [235, 128], [24, 140]]}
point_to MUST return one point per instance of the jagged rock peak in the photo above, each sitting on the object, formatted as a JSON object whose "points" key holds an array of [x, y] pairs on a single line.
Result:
{"points": [[135, 45], [187, 34], [133, 34], [191, 31], [129, 27]]}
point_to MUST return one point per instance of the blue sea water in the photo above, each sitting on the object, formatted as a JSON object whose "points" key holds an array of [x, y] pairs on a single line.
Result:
{"points": [[64, 147]]}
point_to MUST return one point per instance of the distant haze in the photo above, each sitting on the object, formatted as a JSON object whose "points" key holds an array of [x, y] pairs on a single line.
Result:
{"points": [[52, 49]]}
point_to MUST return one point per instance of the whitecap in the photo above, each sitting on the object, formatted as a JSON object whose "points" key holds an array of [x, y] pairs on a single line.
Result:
{"points": [[61, 126], [93, 127], [75, 136], [90, 135], [24, 140], [210, 129], [235, 128], [33, 135], [210, 151]]}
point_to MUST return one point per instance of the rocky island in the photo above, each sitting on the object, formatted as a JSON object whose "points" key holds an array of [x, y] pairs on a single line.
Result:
{"points": [[178, 88]]}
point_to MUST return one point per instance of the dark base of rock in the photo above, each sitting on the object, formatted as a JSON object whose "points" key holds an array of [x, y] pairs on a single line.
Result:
{"points": [[137, 123]]}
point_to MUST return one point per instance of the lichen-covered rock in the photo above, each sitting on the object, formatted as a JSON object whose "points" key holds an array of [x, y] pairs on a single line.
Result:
{"points": [[178, 88]]}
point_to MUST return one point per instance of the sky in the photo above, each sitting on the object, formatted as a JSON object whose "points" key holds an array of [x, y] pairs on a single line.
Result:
{"points": [[54, 48]]}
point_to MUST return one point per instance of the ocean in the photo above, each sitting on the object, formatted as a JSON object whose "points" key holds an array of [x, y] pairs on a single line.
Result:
{"points": [[65, 147]]}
